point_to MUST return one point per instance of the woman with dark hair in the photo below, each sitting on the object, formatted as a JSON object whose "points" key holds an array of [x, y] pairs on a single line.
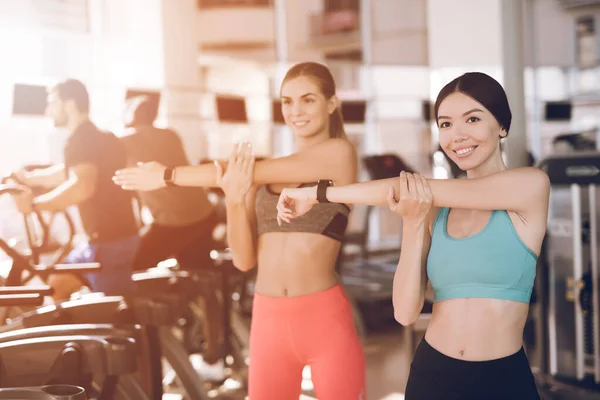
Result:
{"points": [[300, 315], [476, 240]]}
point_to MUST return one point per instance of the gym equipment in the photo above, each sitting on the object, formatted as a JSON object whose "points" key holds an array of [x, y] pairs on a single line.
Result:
{"points": [[100, 308], [47, 243], [60, 354], [573, 318], [147, 317], [39, 358], [162, 299], [369, 282], [47, 392], [236, 310]]}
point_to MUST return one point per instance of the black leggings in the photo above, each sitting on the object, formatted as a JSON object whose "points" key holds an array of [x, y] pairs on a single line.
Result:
{"points": [[435, 376]]}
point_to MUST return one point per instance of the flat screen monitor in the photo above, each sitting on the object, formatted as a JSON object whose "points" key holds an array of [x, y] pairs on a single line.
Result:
{"points": [[231, 109], [426, 111], [558, 111], [354, 111], [29, 99]]}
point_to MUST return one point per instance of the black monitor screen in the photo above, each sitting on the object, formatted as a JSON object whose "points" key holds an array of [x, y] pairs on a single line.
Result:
{"points": [[354, 111], [426, 111], [29, 99], [384, 166], [558, 111], [277, 115], [231, 109]]}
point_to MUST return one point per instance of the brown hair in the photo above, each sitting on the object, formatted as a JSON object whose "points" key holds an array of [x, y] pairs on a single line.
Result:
{"points": [[323, 78], [144, 110], [72, 89]]}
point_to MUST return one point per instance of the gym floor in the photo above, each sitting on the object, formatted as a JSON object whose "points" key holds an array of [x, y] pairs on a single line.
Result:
{"points": [[388, 363], [387, 369]]}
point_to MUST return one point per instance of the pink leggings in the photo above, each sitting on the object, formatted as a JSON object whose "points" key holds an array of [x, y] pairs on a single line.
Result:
{"points": [[288, 333]]}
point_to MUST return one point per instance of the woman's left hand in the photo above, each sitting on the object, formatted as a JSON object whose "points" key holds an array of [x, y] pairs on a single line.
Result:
{"points": [[295, 202], [237, 181]]}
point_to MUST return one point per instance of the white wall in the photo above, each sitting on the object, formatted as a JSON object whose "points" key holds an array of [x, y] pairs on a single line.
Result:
{"points": [[464, 33], [399, 32], [552, 30], [217, 26], [298, 29]]}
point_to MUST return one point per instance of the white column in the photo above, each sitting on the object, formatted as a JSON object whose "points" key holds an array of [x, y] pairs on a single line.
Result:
{"points": [[282, 139], [182, 77], [513, 65], [486, 38]]}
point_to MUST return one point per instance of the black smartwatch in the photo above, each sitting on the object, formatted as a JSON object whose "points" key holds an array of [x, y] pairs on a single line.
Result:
{"points": [[322, 186], [169, 176]]}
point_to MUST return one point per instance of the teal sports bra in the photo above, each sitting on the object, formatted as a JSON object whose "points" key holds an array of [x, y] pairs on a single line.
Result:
{"points": [[493, 263]]}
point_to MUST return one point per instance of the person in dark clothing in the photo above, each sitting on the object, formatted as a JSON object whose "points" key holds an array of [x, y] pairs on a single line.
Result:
{"points": [[183, 219], [91, 157]]}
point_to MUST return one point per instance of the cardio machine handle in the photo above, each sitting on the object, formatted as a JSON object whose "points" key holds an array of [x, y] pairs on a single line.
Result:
{"points": [[29, 299], [13, 189], [76, 268], [42, 290], [10, 189]]}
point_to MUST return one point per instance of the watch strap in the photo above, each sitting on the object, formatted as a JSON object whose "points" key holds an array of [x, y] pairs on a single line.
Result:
{"points": [[322, 186]]}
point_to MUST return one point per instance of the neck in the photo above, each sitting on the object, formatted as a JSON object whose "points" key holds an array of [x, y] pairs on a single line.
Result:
{"points": [[75, 122], [304, 142], [492, 165]]}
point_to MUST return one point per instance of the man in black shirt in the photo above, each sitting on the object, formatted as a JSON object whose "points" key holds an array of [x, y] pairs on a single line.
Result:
{"points": [[91, 158]]}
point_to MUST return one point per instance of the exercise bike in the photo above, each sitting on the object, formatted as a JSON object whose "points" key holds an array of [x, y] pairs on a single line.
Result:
{"points": [[65, 354], [160, 302]]}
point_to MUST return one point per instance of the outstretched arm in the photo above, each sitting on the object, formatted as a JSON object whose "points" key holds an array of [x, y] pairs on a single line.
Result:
{"points": [[519, 190], [320, 161]]}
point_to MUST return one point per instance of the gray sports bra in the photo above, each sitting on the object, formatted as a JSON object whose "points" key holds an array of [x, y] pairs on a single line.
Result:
{"points": [[329, 219]]}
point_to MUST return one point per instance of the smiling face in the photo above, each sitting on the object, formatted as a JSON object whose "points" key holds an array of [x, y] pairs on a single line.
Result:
{"points": [[305, 108], [469, 134]]}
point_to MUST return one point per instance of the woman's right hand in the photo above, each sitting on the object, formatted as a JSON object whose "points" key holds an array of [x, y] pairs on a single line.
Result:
{"points": [[237, 180], [415, 198]]}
